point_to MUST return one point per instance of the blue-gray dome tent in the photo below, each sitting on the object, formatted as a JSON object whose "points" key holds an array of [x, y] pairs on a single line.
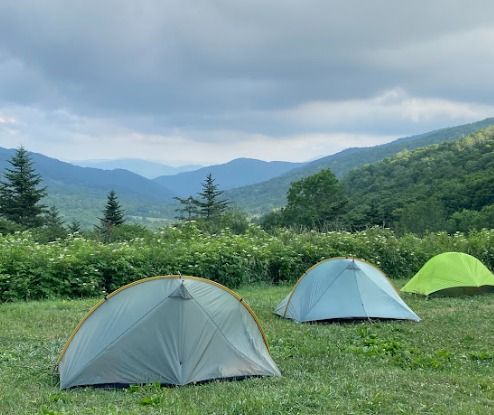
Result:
{"points": [[344, 288], [168, 330]]}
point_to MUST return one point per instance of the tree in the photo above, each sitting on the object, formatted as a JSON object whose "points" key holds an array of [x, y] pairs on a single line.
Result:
{"points": [[53, 218], [315, 201], [7, 226], [74, 227], [422, 216], [20, 192], [53, 227], [272, 220], [188, 210], [113, 216], [209, 204]]}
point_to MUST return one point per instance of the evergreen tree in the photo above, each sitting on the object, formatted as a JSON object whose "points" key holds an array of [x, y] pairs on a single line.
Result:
{"points": [[53, 226], [74, 227], [210, 206], [20, 192], [7, 226], [113, 214], [189, 208], [53, 218]]}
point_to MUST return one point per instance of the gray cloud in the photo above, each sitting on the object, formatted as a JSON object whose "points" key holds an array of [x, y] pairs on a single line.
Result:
{"points": [[272, 68]]}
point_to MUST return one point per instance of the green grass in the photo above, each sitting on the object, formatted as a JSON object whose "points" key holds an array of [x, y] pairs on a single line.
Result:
{"points": [[442, 365]]}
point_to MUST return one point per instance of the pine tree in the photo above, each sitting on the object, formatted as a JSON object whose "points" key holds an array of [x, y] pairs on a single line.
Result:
{"points": [[53, 226], [74, 227], [53, 218], [20, 192], [113, 214], [210, 206], [188, 210]]}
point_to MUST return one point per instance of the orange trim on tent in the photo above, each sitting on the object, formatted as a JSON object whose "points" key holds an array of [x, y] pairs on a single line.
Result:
{"points": [[160, 277]]}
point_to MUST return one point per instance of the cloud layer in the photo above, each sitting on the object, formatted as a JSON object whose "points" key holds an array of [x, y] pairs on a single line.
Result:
{"points": [[206, 81]]}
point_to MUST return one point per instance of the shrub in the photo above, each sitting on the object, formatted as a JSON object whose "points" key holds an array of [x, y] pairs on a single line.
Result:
{"points": [[80, 267]]}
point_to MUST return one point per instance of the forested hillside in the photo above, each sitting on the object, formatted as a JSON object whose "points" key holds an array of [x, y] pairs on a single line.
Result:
{"points": [[80, 192], [380, 193], [263, 197], [443, 186]]}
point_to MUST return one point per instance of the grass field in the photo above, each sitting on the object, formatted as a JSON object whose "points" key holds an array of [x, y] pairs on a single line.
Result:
{"points": [[442, 365]]}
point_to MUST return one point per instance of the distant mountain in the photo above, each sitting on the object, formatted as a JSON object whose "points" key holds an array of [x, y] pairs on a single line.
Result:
{"points": [[255, 186], [80, 192], [262, 197], [236, 173], [145, 168]]}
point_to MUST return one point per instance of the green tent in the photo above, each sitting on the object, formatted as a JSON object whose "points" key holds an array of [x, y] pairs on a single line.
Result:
{"points": [[452, 271]]}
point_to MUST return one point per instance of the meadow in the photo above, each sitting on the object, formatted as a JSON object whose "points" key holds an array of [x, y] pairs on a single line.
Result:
{"points": [[441, 365]]}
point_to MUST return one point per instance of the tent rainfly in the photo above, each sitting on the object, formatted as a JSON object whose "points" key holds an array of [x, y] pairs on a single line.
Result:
{"points": [[344, 288], [169, 330], [450, 272]]}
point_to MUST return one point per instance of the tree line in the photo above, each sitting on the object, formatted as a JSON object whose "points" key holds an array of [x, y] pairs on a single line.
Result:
{"points": [[447, 186], [21, 207]]}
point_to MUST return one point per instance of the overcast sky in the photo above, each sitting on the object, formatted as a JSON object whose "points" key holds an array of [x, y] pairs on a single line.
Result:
{"points": [[207, 81]]}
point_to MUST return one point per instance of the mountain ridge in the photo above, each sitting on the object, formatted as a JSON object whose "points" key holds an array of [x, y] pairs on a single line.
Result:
{"points": [[80, 192], [228, 175], [146, 168], [262, 197]]}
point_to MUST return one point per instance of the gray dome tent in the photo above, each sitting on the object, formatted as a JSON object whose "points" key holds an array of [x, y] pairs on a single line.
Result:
{"points": [[344, 288], [170, 330]]}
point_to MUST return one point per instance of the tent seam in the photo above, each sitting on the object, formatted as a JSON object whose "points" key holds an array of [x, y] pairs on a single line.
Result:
{"points": [[360, 292], [224, 337], [122, 334], [394, 299], [325, 291]]}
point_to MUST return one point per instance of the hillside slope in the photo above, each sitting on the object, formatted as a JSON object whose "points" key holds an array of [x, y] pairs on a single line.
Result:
{"points": [[427, 187], [263, 197], [236, 173], [80, 192]]}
